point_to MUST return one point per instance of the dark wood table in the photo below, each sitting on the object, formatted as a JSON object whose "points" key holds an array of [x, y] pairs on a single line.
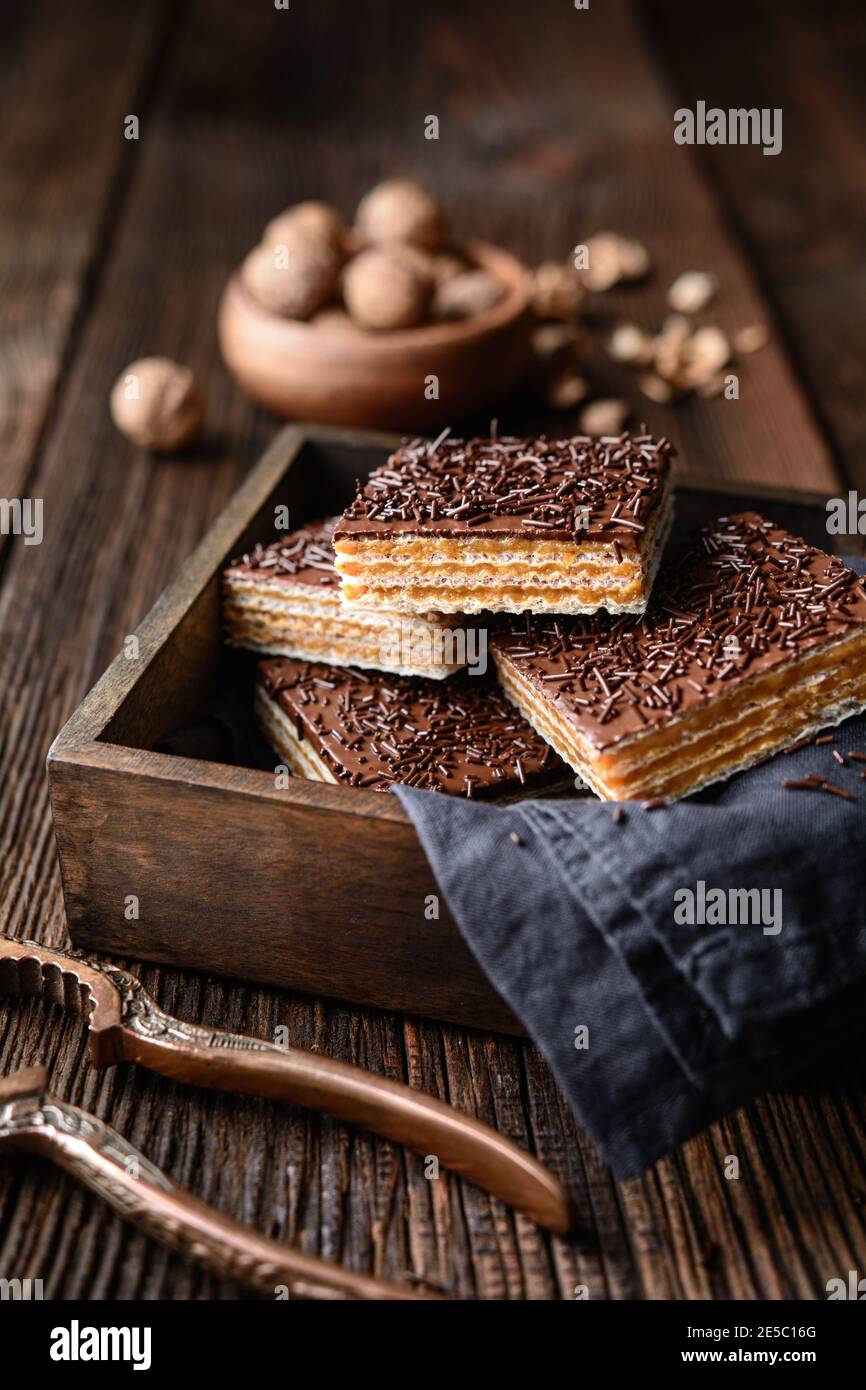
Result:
{"points": [[553, 123]]}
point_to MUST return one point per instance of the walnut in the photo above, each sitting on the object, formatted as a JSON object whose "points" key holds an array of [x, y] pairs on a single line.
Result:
{"points": [[155, 403], [634, 259], [707, 351], [751, 338], [604, 417], [566, 390], [670, 346], [446, 264], [557, 291], [551, 341], [419, 261], [319, 221], [692, 291], [333, 319], [292, 278], [628, 343], [382, 290], [463, 295], [400, 210], [614, 259], [433, 266], [657, 388]]}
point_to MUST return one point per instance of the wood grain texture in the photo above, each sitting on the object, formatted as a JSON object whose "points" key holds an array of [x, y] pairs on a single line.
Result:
{"points": [[54, 228], [336, 903], [800, 214], [554, 123]]}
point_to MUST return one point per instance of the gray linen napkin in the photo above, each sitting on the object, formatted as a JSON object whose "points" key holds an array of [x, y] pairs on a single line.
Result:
{"points": [[577, 927]]}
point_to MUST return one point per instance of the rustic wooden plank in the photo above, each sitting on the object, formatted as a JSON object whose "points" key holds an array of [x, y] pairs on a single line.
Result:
{"points": [[54, 227], [583, 139], [800, 214]]}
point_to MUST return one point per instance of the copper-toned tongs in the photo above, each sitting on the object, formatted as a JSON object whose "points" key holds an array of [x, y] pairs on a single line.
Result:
{"points": [[126, 1024], [33, 1120]]}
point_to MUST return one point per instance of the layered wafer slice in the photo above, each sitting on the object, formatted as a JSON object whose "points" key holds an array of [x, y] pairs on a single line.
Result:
{"points": [[509, 525], [752, 641], [284, 599], [368, 729]]}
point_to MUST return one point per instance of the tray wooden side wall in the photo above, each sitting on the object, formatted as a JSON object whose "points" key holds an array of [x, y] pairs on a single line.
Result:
{"points": [[311, 887]]}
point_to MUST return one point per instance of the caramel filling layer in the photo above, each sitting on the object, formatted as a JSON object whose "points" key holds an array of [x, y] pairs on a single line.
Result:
{"points": [[333, 651], [727, 734], [342, 623], [469, 574], [844, 660], [385, 572], [405, 659], [409, 549], [498, 598], [293, 620]]}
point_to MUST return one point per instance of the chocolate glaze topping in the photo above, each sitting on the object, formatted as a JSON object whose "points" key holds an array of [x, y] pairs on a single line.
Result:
{"points": [[305, 556], [460, 736], [741, 597], [575, 489]]}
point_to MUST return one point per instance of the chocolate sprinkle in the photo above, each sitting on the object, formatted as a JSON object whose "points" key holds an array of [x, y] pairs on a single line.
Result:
{"points": [[801, 743], [837, 791], [814, 783], [562, 489], [739, 578]]}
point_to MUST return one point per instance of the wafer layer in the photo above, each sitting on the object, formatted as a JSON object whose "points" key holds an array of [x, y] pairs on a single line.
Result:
{"points": [[375, 731], [567, 526], [284, 599], [752, 640]]}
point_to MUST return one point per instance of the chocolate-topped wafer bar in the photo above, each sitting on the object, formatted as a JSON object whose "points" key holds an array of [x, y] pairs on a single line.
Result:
{"points": [[509, 525], [284, 599], [752, 640], [363, 729]]}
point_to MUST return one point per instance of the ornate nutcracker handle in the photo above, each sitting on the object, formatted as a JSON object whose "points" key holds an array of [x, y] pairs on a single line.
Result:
{"points": [[126, 1023], [233, 1062], [94, 1153]]}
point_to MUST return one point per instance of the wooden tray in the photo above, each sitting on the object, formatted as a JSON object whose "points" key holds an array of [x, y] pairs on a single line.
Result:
{"points": [[313, 887]]}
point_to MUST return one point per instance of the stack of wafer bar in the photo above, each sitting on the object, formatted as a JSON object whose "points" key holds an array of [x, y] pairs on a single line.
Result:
{"points": [[508, 525], [752, 641], [365, 729], [284, 599]]}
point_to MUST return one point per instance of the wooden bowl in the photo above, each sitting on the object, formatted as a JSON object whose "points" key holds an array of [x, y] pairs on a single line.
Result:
{"points": [[304, 372]]}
